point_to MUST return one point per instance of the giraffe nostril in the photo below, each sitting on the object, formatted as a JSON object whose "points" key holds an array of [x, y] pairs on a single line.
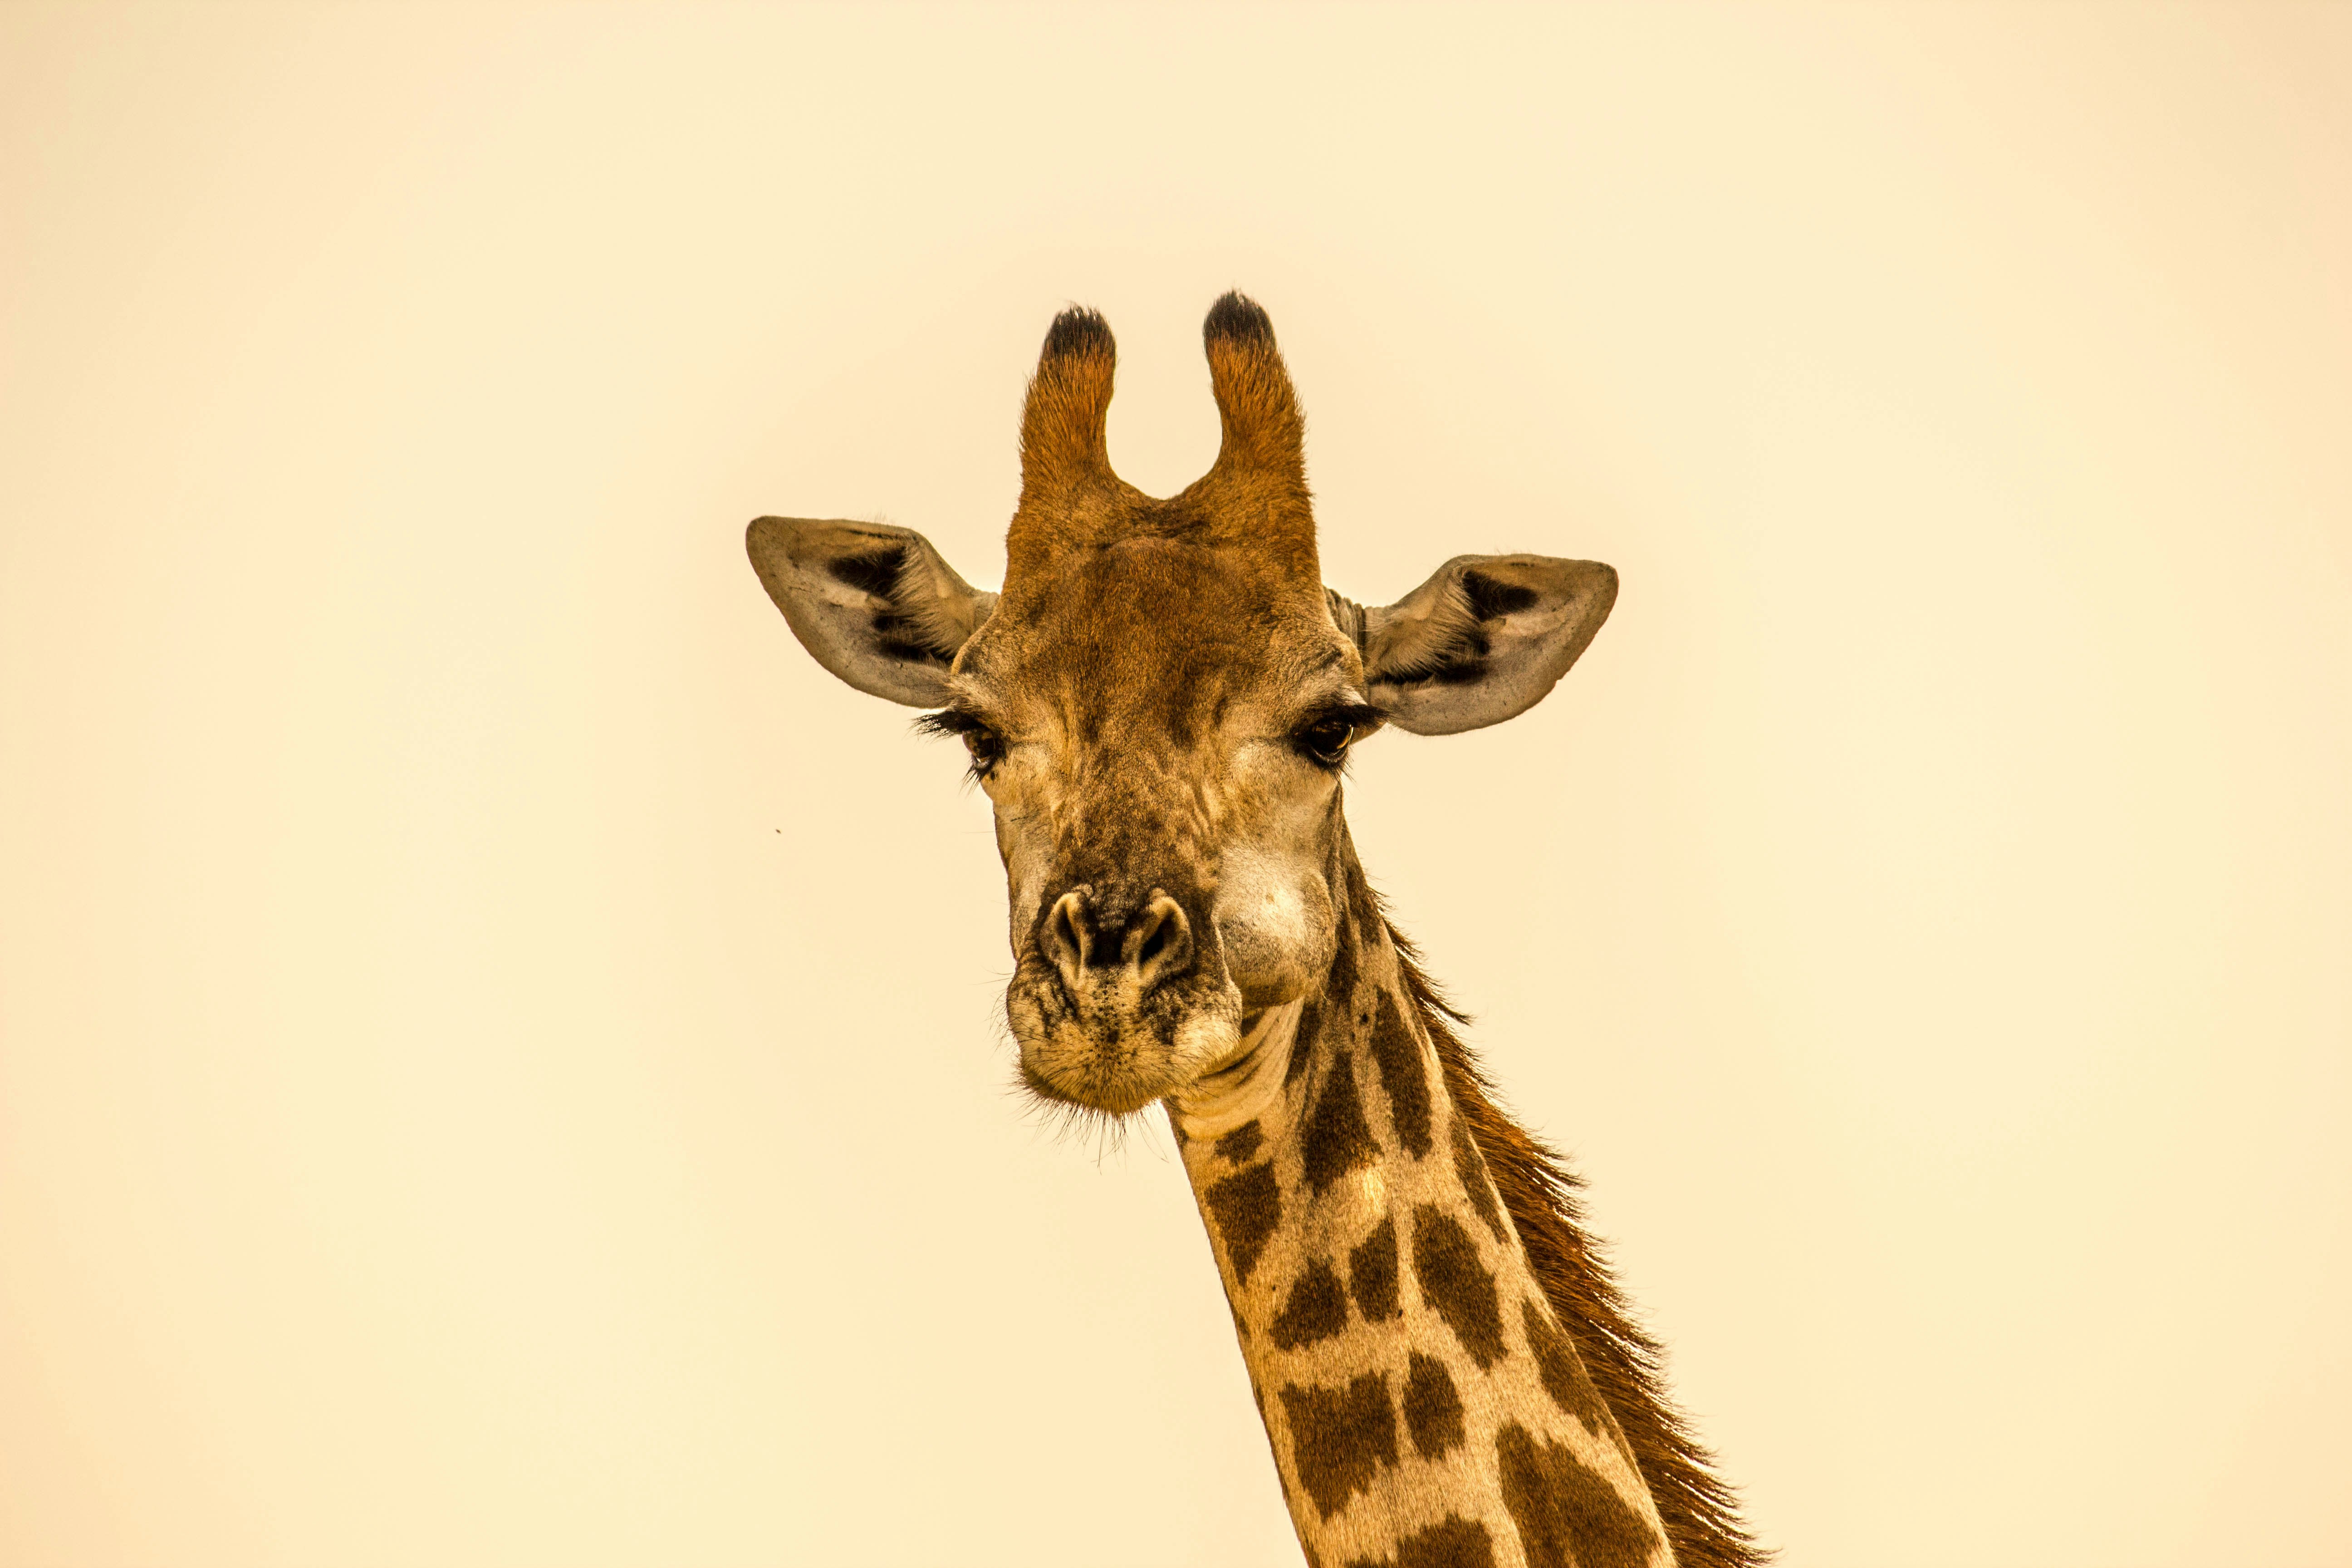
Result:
{"points": [[1166, 941], [1155, 937], [1065, 933], [1153, 945]]}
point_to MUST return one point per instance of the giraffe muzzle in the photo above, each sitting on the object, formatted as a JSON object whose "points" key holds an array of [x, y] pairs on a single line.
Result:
{"points": [[1119, 1001]]}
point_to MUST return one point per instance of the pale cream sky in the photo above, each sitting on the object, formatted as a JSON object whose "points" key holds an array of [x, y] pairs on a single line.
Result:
{"points": [[498, 1050]]}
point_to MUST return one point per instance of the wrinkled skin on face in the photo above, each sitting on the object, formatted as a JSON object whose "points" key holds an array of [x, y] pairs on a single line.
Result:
{"points": [[1159, 741]]}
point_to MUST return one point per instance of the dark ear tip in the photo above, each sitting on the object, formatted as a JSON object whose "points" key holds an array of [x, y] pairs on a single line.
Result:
{"points": [[1237, 318], [1080, 329]]}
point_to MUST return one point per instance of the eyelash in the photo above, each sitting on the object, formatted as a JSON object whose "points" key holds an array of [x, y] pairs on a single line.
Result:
{"points": [[986, 746], [1313, 741]]}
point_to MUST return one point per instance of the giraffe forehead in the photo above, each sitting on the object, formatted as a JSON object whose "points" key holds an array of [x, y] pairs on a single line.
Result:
{"points": [[1154, 640]]}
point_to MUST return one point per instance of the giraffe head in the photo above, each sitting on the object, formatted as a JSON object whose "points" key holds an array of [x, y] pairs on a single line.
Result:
{"points": [[1160, 703]]}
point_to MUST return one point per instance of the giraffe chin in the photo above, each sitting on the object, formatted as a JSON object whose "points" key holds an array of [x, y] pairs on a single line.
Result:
{"points": [[1118, 1053]]}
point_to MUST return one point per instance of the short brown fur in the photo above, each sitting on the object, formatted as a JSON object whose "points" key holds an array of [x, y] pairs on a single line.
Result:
{"points": [[1254, 499]]}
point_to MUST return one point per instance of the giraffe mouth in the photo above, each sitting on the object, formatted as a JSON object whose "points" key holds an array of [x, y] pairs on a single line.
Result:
{"points": [[1108, 1044]]}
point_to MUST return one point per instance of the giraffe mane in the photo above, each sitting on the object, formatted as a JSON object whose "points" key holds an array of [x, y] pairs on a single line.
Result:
{"points": [[1697, 1507]]}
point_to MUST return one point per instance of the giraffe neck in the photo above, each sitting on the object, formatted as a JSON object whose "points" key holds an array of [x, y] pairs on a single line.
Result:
{"points": [[1424, 1406]]}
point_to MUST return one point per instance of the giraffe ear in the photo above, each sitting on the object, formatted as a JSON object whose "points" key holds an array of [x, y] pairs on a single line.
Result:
{"points": [[1483, 640], [874, 604]]}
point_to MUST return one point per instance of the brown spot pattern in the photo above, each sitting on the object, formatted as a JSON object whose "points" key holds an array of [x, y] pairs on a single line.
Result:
{"points": [[1396, 1051], [1240, 1143], [1341, 986], [1372, 1273], [1432, 1408], [1563, 1373], [1568, 1516], [1339, 1439], [1452, 1542], [1302, 1043], [1337, 1003], [1471, 1169], [1317, 1310], [1699, 1510], [1361, 903], [1457, 1284], [1246, 1209], [1338, 1138]]}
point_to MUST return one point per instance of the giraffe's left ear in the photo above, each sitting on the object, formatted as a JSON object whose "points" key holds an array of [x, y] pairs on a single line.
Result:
{"points": [[1480, 642], [874, 604]]}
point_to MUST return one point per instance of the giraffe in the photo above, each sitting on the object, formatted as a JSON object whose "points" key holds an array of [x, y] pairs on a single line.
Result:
{"points": [[1160, 706]]}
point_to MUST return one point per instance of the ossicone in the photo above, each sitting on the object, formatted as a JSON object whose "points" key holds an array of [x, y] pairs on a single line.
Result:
{"points": [[1263, 433], [1080, 330], [1063, 424], [1252, 499], [1237, 318]]}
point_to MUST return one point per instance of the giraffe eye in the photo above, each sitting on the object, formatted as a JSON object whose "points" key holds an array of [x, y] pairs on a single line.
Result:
{"points": [[1324, 735], [986, 746], [983, 742], [1325, 742]]}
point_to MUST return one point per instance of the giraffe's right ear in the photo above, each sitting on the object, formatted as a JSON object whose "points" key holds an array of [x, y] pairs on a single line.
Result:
{"points": [[874, 604]]}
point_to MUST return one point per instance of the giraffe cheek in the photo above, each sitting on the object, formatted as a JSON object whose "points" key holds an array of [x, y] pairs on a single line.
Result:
{"points": [[1277, 931]]}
